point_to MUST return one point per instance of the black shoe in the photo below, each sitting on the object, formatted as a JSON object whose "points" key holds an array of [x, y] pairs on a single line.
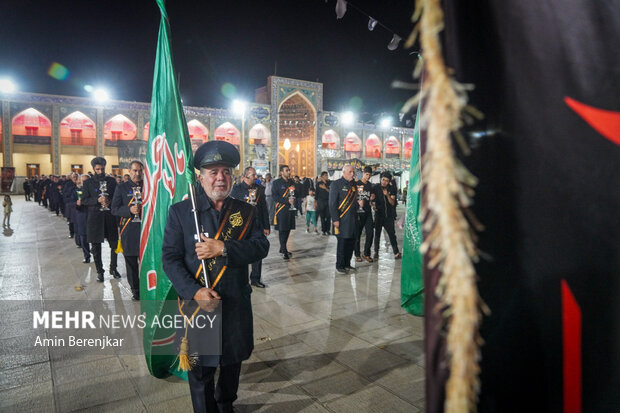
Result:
{"points": [[350, 269], [70, 235], [115, 273], [86, 260], [100, 277], [135, 297], [287, 256], [258, 284], [341, 270]]}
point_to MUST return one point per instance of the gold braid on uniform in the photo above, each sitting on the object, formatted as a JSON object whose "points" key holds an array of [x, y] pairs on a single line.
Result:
{"points": [[451, 241]]}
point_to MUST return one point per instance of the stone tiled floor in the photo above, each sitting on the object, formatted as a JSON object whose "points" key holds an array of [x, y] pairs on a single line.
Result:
{"points": [[323, 342]]}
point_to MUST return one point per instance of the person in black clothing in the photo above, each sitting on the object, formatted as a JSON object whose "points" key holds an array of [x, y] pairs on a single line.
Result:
{"points": [[80, 218], [43, 185], [385, 215], [322, 202], [284, 219], [343, 209], [26, 186], [125, 206], [69, 200], [101, 224], [299, 195], [248, 191], [365, 223]]}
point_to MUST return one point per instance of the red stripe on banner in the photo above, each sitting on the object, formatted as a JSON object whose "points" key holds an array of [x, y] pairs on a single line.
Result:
{"points": [[571, 340], [164, 341], [605, 122]]}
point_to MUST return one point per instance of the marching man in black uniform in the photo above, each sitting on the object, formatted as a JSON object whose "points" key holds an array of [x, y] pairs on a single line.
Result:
{"points": [[127, 204], [253, 194], [365, 223], [385, 213], [343, 210], [283, 192], [101, 223], [235, 239]]}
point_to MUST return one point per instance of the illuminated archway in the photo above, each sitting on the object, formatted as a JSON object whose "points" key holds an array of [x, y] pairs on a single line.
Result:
{"points": [[260, 135], [352, 146], [229, 133], [78, 129], [145, 131], [330, 140], [296, 123], [392, 147], [408, 148], [198, 133], [31, 126], [373, 146], [119, 128]]}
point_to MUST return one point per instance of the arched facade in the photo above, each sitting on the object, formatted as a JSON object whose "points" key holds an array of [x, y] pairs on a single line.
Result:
{"points": [[297, 123], [259, 135], [330, 140], [78, 129], [373, 146], [392, 147], [352, 146], [198, 133], [119, 128], [408, 148], [229, 133], [31, 127]]}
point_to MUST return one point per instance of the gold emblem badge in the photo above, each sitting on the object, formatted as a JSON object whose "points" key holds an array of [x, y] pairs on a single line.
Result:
{"points": [[217, 157], [235, 219]]}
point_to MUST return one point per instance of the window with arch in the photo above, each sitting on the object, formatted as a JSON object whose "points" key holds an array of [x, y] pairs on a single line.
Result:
{"points": [[119, 128], [408, 148], [352, 146], [392, 147], [330, 140], [373, 146], [260, 135], [229, 133], [78, 129], [198, 133], [31, 126]]}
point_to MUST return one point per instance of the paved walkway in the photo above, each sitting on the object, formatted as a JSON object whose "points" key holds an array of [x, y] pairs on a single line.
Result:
{"points": [[323, 342]]}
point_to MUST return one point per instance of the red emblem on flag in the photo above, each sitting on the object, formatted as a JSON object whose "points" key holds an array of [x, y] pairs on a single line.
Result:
{"points": [[151, 279]]}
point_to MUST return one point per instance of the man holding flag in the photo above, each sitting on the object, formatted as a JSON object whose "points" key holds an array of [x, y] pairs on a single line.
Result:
{"points": [[232, 237]]}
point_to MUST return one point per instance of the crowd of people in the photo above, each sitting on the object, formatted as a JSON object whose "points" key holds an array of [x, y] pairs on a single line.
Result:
{"points": [[239, 216]]}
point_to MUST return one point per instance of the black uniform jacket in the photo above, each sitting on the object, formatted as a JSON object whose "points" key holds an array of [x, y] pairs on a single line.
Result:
{"points": [[240, 191], [69, 198], [341, 210], [129, 231], [100, 224], [284, 218], [180, 264]]}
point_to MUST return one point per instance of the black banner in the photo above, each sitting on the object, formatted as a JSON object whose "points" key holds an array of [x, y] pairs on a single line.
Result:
{"points": [[129, 151]]}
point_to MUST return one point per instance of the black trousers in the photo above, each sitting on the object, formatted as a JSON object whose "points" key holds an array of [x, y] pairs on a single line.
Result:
{"points": [[322, 211], [257, 268], [133, 274], [206, 397], [365, 224], [283, 235], [344, 252], [387, 223], [96, 250]]}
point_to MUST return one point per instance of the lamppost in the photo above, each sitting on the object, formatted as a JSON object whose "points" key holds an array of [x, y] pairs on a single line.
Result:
{"points": [[238, 107]]}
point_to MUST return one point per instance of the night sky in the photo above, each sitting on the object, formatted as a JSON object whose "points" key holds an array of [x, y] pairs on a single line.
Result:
{"points": [[112, 43]]}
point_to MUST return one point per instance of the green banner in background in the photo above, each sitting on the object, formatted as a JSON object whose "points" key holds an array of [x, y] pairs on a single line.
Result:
{"points": [[168, 170], [411, 273]]}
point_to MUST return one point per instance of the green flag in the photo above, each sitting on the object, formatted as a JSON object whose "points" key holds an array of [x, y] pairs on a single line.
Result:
{"points": [[411, 277], [168, 171]]}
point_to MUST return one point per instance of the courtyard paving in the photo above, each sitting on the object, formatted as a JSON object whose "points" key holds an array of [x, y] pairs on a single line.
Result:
{"points": [[324, 342]]}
